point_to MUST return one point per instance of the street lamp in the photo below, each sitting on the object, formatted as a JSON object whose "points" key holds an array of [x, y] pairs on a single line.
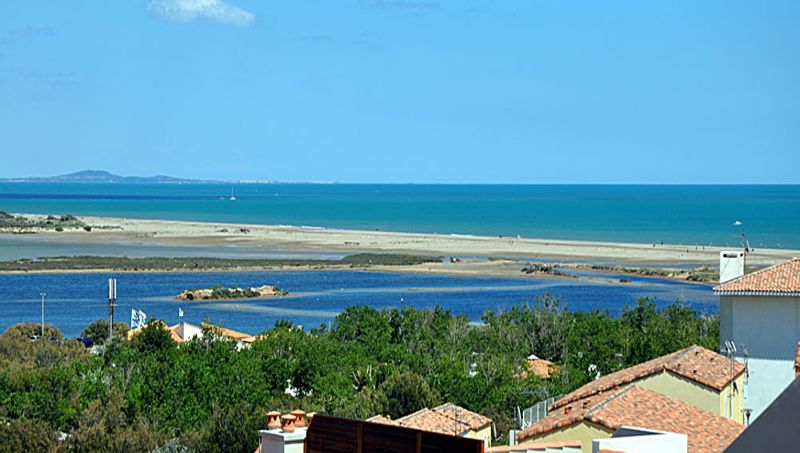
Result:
{"points": [[42, 294]]}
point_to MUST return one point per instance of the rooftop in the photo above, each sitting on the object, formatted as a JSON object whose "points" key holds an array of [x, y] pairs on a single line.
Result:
{"points": [[176, 329], [445, 419], [695, 363], [633, 405], [781, 279]]}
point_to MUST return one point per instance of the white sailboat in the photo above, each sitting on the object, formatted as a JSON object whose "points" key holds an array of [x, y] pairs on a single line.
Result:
{"points": [[233, 197]]}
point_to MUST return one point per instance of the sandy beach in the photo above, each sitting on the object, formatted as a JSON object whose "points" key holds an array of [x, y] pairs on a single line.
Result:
{"points": [[107, 230]]}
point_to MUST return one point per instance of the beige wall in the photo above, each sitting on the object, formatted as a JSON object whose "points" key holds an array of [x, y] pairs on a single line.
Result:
{"points": [[583, 432], [737, 393], [683, 390], [484, 434], [698, 395]]}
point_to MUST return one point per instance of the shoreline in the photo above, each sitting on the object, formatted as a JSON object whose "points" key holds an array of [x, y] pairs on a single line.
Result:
{"points": [[109, 231]]}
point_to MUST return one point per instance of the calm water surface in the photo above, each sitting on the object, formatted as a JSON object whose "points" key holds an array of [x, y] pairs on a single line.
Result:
{"points": [[74, 300], [693, 215]]}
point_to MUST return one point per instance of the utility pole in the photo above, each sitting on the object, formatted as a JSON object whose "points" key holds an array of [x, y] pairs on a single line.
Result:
{"points": [[42, 294], [112, 299]]}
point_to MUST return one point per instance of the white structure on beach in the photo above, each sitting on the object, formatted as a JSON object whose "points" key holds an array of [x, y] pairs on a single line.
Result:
{"points": [[760, 313]]}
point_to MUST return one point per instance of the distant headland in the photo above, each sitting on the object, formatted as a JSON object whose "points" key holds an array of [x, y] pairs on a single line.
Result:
{"points": [[102, 176]]}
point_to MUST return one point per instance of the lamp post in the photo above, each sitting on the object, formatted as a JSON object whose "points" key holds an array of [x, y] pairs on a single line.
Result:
{"points": [[42, 294]]}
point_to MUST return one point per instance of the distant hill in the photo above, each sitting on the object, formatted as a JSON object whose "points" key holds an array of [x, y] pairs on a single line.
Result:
{"points": [[104, 177]]}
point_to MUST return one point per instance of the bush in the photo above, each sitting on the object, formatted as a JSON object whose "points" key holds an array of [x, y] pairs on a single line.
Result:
{"points": [[27, 435]]}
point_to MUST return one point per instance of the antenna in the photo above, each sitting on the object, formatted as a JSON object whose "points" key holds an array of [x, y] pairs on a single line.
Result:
{"points": [[112, 299]]}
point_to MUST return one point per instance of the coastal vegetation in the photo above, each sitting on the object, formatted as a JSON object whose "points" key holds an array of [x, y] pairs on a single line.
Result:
{"points": [[10, 223], [219, 292], [205, 395], [124, 263]]}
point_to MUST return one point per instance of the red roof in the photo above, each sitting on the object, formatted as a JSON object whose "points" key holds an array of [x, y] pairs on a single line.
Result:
{"points": [[695, 363], [636, 406], [783, 279], [445, 419]]}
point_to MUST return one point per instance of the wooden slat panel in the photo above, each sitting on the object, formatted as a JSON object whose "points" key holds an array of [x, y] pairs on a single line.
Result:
{"points": [[341, 435]]}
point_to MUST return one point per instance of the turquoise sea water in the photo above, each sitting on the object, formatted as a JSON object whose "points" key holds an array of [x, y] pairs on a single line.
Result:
{"points": [[692, 215]]}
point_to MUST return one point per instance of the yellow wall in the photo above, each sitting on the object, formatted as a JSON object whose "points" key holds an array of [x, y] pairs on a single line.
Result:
{"points": [[484, 434], [583, 432], [684, 390], [698, 395], [738, 400]]}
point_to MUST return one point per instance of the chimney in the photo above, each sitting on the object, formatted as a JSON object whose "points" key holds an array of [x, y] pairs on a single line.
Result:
{"points": [[731, 265], [300, 418], [287, 423], [273, 420], [289, 439]]}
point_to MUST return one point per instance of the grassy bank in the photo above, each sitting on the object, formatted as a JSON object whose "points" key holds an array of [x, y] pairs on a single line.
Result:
{"points": [[88, 263]]}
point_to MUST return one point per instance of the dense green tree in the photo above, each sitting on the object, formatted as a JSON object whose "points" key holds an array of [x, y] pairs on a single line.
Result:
{"points": [[209, 395], [405, 392], [24, 434], [97, 331]]}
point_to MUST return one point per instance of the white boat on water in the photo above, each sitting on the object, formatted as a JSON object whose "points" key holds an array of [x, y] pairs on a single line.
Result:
{"points": [[233, 197]]}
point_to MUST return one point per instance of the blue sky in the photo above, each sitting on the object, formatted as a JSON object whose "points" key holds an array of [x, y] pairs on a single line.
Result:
{"points": [[526, 91]]}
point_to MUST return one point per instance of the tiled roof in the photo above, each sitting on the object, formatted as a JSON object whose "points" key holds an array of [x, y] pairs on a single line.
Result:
{"points": [[434, 421], [445, 419], [636, 406], [381, 419], [474, 420], [173, 330], [243, 337], [782, 278], [695, 363]]}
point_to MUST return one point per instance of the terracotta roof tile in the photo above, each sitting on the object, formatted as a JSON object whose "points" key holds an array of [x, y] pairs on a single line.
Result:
{"points": [[636, 406], [782, 278], [695, 363], [474, 420], [445, 419], [382, 420], [243, 337]]}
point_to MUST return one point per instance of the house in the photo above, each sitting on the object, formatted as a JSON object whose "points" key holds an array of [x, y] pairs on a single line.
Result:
{"points": [[760, 314], [695, 375], [599, 414], [776, 429], [445, 419], [184, 331]]}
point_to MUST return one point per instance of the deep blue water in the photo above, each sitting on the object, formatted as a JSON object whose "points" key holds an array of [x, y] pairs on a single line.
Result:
{"points": [[692, 215], [74, 300]]}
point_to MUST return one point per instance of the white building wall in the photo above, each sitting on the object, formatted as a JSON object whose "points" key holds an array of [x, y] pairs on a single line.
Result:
{"points": [[768, 328]]}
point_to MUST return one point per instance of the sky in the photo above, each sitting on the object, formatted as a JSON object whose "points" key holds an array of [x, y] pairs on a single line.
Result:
{"points": [[438, 91]]}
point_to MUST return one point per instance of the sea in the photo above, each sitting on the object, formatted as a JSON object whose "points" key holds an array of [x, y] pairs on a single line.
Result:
{"points": [[769, 216], [680, 214]]}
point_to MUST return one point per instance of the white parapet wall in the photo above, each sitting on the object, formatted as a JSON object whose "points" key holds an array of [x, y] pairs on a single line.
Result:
{"points": [[731, 265], [630, 439], [277, 441]]}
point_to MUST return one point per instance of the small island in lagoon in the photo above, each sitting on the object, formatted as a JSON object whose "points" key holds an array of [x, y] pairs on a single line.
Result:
{"points": [[219, 292]]}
